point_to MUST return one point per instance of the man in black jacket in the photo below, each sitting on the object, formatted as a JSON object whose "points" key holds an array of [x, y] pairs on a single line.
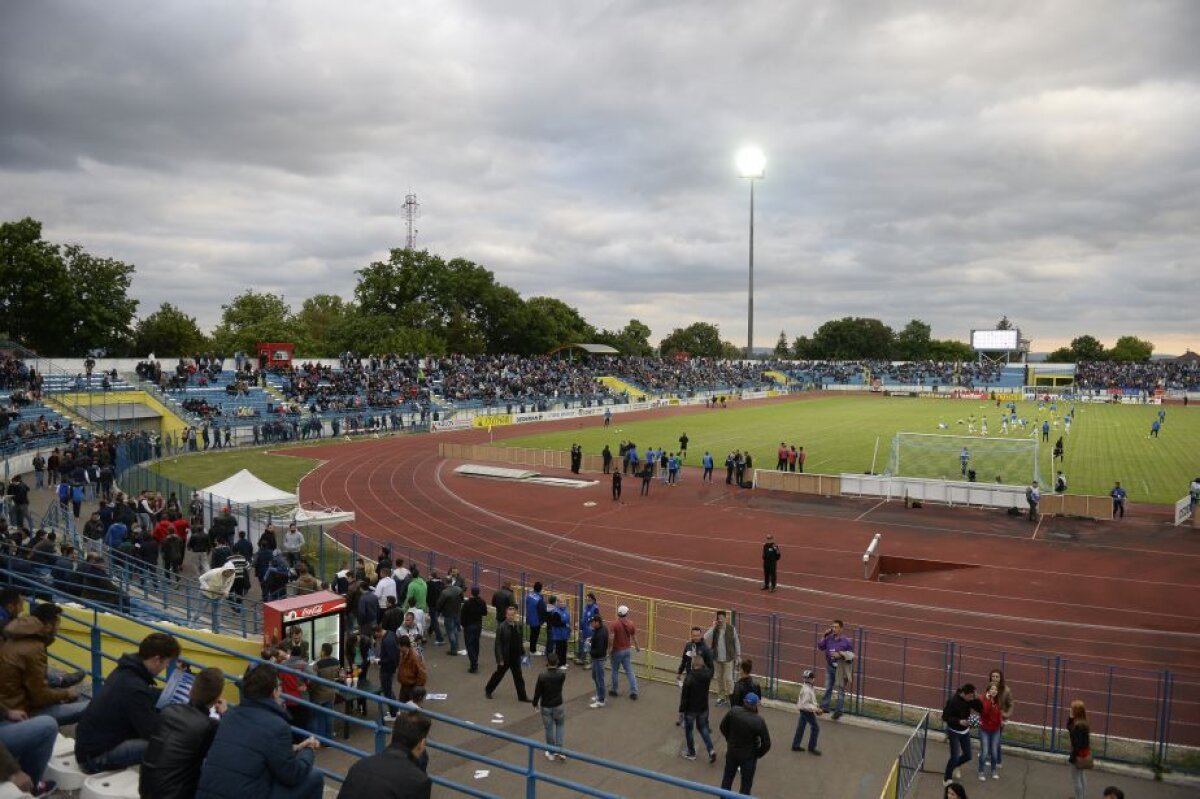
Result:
{"points": [[770, 560], [114, 731], [510, 648], [394, 773], [956, 715], [473, 612], [693, 704], [171, 769], [748, 740]]}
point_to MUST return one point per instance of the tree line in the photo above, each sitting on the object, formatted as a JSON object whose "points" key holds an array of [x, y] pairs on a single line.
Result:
{"points": [[60, 300]]}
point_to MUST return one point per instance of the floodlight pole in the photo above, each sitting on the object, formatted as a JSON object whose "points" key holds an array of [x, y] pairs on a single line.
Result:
{"points": [[750, 293]]}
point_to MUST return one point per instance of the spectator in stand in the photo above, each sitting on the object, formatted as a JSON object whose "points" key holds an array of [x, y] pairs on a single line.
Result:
{"points": [[115, 729], [181, 739], [253, 755], [394, 773], [26, 745]]}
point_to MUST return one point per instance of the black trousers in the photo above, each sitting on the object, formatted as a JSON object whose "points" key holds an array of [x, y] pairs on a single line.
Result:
{"points": [[769, 575], [518, 679]]}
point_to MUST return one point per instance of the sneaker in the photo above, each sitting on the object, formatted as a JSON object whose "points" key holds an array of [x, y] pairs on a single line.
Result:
{"points": [[549, 755], [613, 693], [45, 789], [982, 777], [995, 775], [487, 694], [462, 652], [814, 751], [74, 678], [721, 701], [712, 757], [633, 697], [560, 757], [684, 754], [389, 718], [958, 774], [946, 783], [837, 714], [596, 705], [563, 667], [797, 748]]}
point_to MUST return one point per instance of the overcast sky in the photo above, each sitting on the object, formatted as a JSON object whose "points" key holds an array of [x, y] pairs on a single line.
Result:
{"points": [[951, 161]]}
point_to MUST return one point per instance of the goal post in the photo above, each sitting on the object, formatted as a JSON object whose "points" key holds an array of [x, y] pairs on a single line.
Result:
{"points": [[937, 456]]}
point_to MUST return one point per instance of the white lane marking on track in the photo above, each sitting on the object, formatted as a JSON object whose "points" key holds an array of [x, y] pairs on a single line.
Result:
{"points": [[860, 516], [810, 591]]}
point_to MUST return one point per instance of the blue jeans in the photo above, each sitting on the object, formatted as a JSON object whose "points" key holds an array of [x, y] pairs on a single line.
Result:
{"points": [[452, 628], [807, 717], [65, 713], [31, 742], [989, 746], [125, 754], [700, 721], [960, 751], [830, 679], [322, 722], [554, 720], [598, 678], [619, 660], [747, 766]]}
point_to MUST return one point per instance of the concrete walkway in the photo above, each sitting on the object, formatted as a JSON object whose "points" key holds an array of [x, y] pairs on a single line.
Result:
{"points": [[857, 755]]}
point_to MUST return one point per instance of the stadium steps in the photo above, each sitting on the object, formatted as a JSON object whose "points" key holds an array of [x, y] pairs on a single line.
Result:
{"points": [[619, 386], [55, 403]]}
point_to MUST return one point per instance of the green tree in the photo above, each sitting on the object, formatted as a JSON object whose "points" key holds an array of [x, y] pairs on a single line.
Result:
{"points": [[1087, 348], [1004, 324], [252, 317], [1131, 349], [552, 323], [317, 319], [168, 332], [782, 350], [633, 339], [731, 351], [1061, 355], [914, 341], [950, 350], [802, 348], [852, 338], [699, 340], [62, 300], [100, 312]]}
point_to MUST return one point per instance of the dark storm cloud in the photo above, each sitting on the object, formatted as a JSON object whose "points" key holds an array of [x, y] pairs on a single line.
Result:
{"points": [[947, 161]]}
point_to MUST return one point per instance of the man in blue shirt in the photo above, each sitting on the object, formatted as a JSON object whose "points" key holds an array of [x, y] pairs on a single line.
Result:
{"points": [[964, 458], [1118, 498], [707, 462]]}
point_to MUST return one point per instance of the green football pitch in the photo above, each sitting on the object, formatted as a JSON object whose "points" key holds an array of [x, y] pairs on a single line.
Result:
{"points": [[1107, 442]]}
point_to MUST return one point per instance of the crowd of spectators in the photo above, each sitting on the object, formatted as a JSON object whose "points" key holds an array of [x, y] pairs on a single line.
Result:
{"points": [[1104, 375], [968, 374], [674, 375]]}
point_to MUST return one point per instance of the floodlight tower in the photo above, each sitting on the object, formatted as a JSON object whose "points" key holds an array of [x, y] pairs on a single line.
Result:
{"points": [[411, 212], [752, 165]]}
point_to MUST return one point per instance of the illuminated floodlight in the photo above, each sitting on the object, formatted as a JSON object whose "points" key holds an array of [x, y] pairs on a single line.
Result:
{"points": [[751, 163]]}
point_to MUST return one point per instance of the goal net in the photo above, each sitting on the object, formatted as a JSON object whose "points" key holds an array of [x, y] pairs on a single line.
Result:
{"points": [[1012, 461]]}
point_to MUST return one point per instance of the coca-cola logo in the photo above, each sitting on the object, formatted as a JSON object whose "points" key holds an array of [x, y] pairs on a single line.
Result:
{"points": [[313, 610]]}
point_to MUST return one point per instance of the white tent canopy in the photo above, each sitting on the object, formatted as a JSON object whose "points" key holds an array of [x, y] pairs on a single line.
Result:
{"points": [[324, 517], [244, 488]]}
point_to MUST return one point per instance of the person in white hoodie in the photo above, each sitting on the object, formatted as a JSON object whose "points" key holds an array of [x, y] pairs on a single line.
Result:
{"points": [[809, 710]]}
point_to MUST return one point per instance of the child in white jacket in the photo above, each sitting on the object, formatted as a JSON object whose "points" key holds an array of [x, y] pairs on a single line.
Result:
{"points": [[809, 710]]}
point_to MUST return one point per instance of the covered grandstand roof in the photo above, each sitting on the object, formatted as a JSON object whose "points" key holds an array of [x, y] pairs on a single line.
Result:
{"points": [[590, 349]]}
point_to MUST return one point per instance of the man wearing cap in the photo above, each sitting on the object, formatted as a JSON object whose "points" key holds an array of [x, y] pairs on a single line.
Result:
{"points": [[770, 559], [623, 634], [747, 739]]}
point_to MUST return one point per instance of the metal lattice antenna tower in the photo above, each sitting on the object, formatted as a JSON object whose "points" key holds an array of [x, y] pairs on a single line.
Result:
{"points": [[412, 211]]}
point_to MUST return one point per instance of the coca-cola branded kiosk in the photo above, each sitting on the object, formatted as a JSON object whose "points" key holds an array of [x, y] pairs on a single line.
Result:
{"points": [[319, 615]]}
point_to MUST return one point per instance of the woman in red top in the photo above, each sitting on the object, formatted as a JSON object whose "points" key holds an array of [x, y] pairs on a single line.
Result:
{"points": [[990, 722]]}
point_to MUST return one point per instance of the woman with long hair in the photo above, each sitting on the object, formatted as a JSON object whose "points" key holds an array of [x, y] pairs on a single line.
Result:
{"points": [[1081, 752], [955, 791], [1005, 701]]}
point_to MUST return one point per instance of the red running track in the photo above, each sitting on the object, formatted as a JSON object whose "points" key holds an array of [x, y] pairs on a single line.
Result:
{"points": [[1121, 594]]}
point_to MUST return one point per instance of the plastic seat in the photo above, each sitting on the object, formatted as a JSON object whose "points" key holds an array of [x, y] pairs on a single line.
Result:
{"points": [[64, 770], [111, 785], [63, 746]]}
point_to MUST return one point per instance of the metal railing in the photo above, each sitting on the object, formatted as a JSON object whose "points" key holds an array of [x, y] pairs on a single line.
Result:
{"points": [[526, 769]]}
